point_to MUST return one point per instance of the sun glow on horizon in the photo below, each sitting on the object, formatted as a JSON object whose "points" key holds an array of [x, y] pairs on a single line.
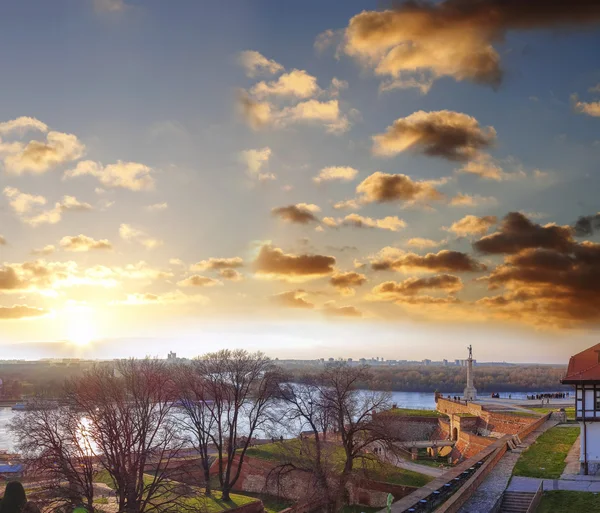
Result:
{"points": [[81, 329]]}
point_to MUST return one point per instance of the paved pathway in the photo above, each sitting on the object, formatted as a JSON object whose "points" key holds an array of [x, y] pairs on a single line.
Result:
{"points": [[531, 484], [415, 467], [492, 488], [572, 459]]}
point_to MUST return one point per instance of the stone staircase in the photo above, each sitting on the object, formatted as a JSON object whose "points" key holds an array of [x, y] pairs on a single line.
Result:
{"points": [[516, 502]]}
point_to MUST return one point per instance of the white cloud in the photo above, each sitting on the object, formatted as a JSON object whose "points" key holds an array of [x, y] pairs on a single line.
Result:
{"points": [[589, 108], [255, 160], [46, 250], [314, 111], [256, 63], [127, 175], [297, 83], [156, 207], [26, 206], [22, 203], [81, 243], [39, 157], [351, 204], [342, 173], [22, 124], [128, 233], [390, 223]]}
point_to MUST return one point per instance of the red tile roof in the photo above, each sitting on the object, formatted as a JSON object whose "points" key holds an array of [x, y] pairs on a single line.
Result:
{"points": [[584, 366]]}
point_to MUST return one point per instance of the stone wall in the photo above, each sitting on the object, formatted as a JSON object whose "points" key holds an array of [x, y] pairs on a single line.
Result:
{"points": [[259, 476], [469, 444], [449, 407], [367, 492], [491, 454], [498, 424], [413, 428]]}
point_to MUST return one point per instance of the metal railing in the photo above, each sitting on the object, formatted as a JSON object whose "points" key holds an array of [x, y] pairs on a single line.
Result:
{"points": [[536, 499]]}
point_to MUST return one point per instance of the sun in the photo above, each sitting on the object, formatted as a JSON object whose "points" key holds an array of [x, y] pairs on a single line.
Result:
{"points": [[80, 326]]}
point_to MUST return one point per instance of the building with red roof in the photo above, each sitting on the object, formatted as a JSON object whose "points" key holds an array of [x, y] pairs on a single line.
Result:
{"points": [[584, 373]]}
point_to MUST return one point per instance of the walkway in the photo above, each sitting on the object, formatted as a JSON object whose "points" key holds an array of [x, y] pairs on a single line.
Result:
{"points": [[490, 492], [415, 467], [572, 460], [528, 484]]}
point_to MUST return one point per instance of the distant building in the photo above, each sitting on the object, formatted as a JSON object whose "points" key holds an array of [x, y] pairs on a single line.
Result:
{"points": [[584, 373], [11, 471], [426, 362]]}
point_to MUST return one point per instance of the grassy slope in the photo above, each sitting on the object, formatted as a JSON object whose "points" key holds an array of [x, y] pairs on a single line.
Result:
{"points": [[546, 457], [373, 469], [569, 411], [213, 504], [567, 502]]}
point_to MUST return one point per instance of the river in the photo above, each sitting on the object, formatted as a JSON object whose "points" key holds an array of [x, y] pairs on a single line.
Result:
{"points": [[416, 400]]}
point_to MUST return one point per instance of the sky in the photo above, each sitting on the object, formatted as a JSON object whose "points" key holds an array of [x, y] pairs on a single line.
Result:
{"points": [[309, 179]]}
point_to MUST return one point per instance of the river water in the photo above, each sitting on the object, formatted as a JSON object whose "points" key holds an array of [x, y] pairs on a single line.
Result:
{"points": [[416, 400]]}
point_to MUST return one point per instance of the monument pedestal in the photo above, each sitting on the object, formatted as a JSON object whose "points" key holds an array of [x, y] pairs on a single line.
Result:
{"points": [[470, 394]]}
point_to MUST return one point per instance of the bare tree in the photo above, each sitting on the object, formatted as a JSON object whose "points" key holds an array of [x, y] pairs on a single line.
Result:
{"points": [[241, 385], [335, 401], [129, 422], [197, 420], [53, 444], [304, 407], [353, 409]]}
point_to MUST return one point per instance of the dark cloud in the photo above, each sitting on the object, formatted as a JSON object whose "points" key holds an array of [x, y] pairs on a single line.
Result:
{"points": [[20, 312], [198, 281], [391, 290], [347, 280], [295, 214], [292, 299], [549, 286], [384, 188], [219, 263], [341, 249], [443, 261], [517, 232], [447, 134], [417, 41], [273, 261], [230, 274], [587, 225], [9, 279]]}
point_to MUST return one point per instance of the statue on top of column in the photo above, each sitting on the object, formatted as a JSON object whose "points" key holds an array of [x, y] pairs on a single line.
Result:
{"points": [[470, 348]]}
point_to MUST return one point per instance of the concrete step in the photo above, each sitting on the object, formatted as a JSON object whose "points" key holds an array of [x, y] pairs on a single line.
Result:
{"points": [[516, 502]]}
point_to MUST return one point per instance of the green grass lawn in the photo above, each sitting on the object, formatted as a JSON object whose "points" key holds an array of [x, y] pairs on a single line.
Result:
{"points": [[568, 502], [569, 411], [213, 504], [546, 457], [371, 468], [407, 412]]}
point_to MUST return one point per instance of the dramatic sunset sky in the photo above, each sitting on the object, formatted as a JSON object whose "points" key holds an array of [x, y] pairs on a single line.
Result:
{"points": [[312, 179]]}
